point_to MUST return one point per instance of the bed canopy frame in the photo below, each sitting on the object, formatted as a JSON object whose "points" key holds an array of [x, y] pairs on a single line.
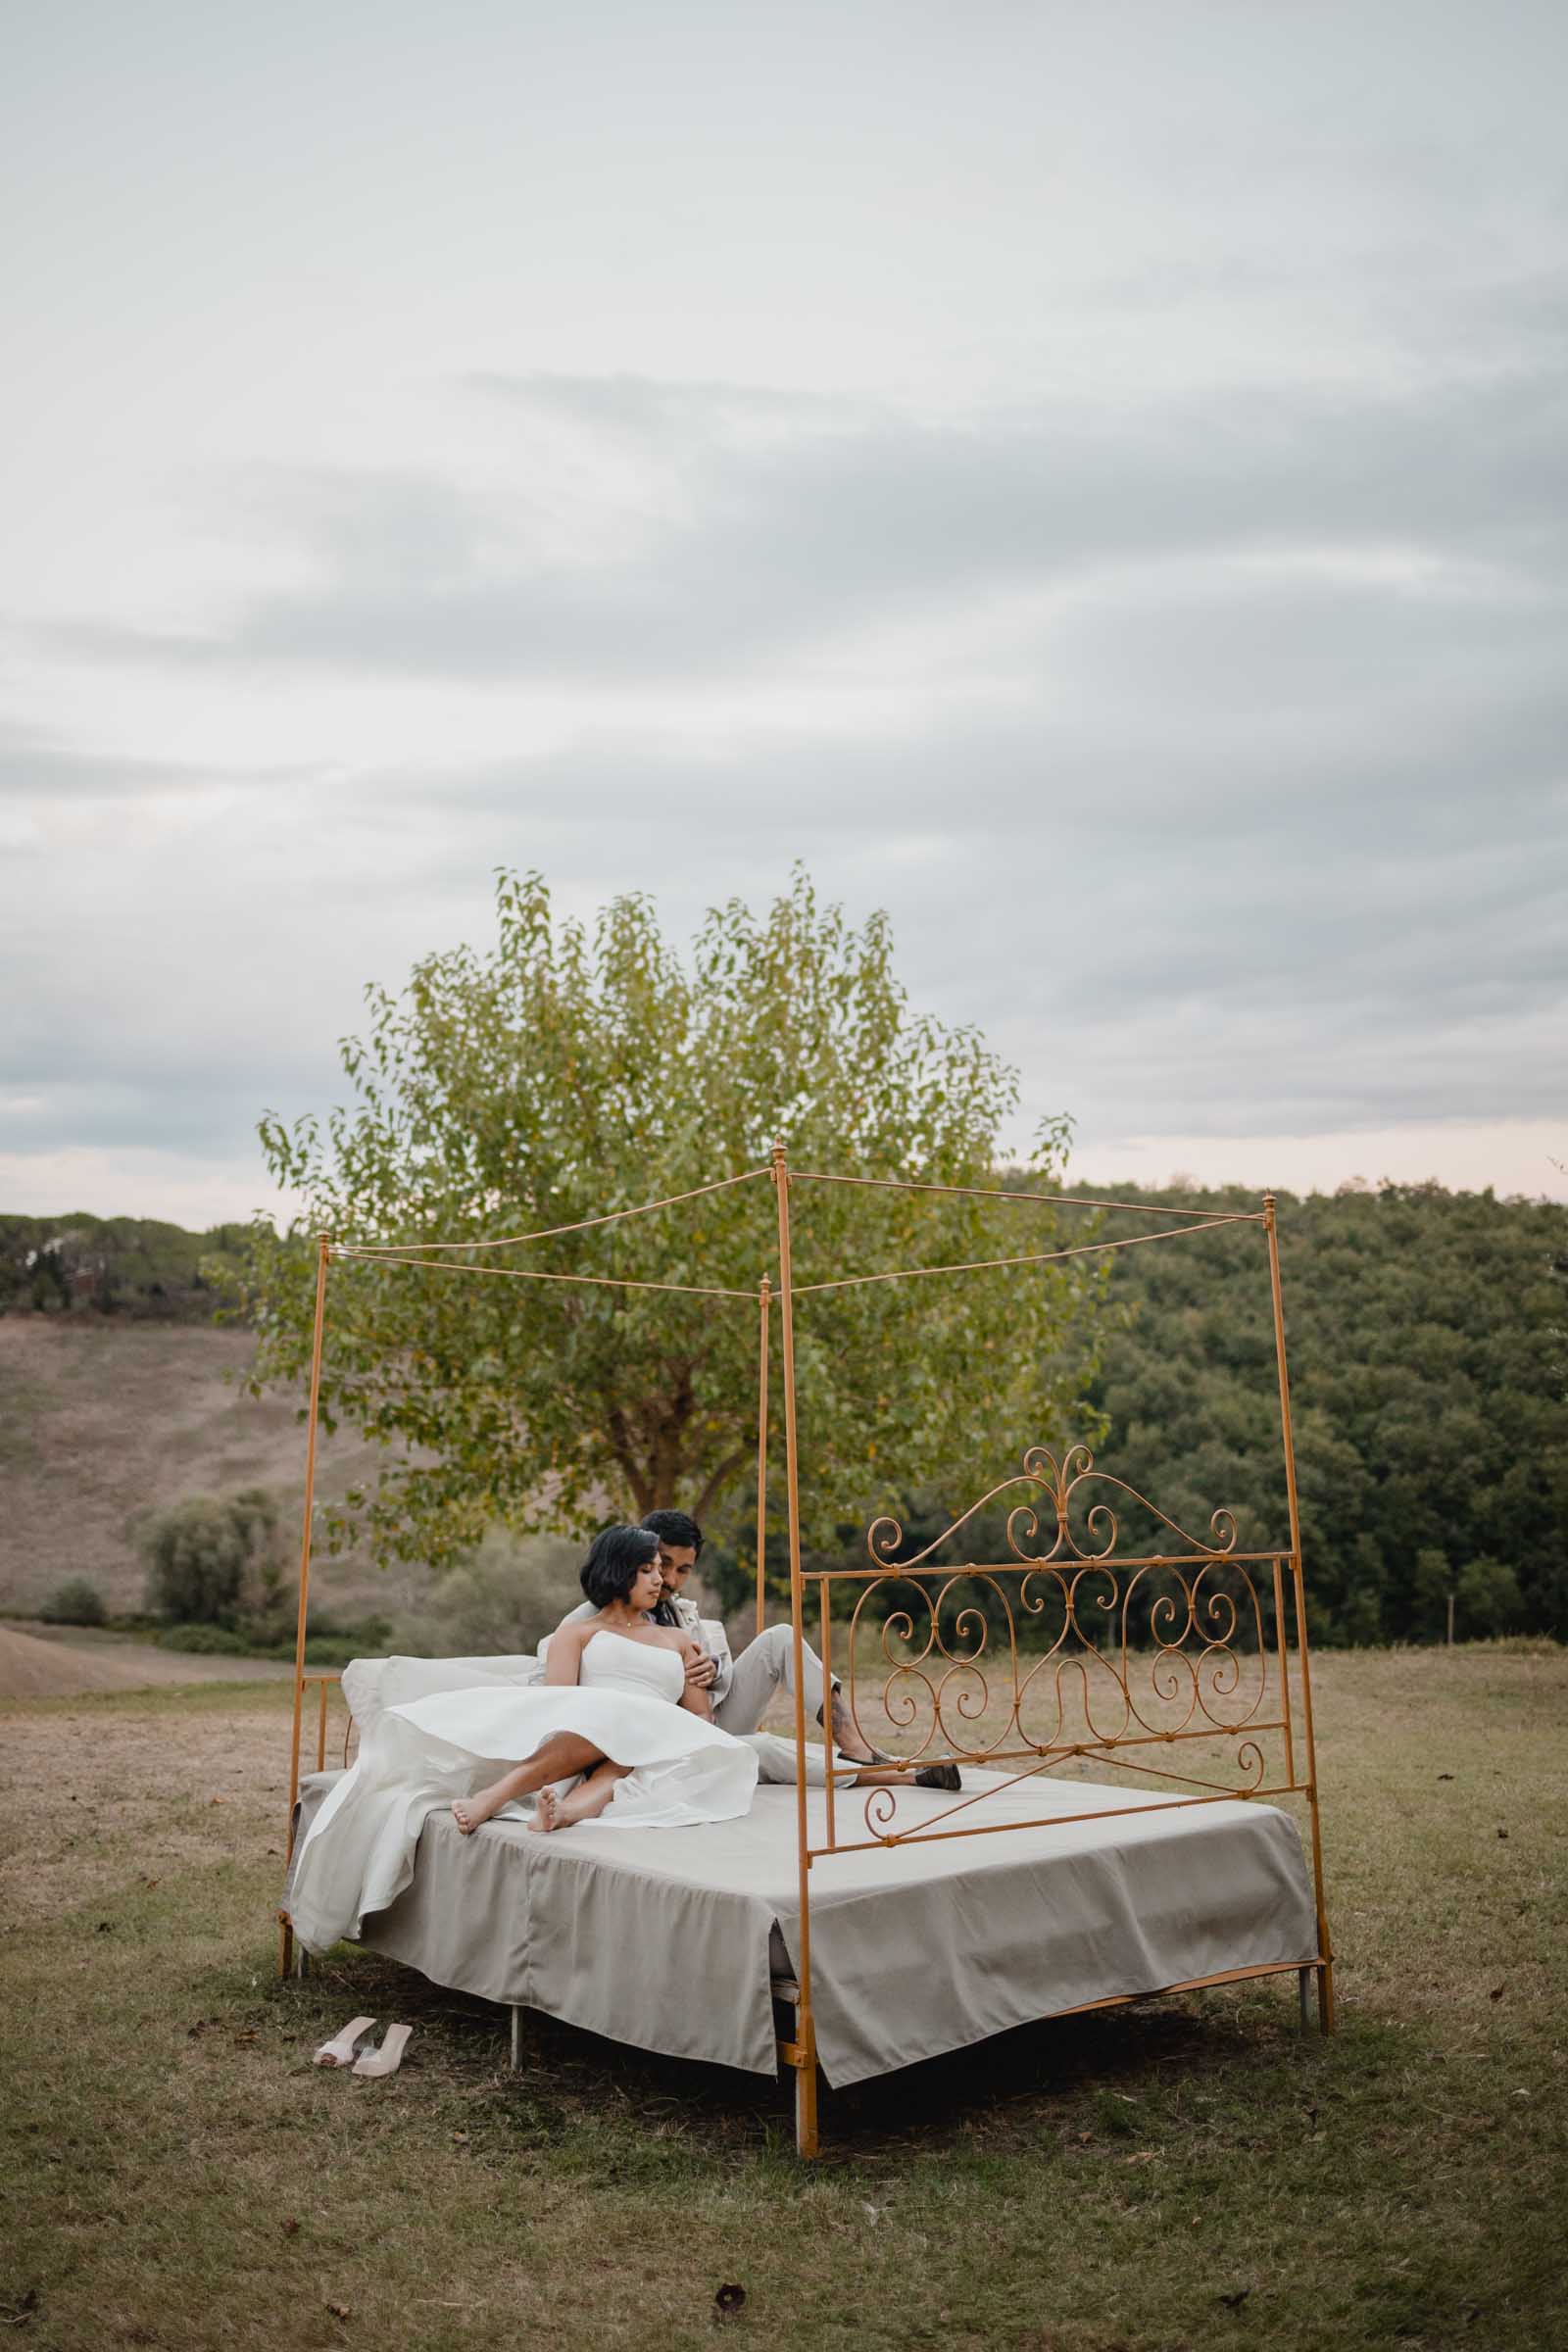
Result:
{"points": [[1173, 1665]]}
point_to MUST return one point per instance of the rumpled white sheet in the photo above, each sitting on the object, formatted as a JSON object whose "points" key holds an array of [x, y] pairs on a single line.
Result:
{"points": [[451, 1734]]}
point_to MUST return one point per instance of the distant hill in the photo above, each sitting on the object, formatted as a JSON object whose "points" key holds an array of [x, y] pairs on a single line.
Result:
{"points": [[1428, 1357], [102, 1415], [1425, 1333]]}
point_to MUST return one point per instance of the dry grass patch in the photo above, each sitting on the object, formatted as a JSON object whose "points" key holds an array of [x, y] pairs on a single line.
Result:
{"points": [[1188, 2175]]}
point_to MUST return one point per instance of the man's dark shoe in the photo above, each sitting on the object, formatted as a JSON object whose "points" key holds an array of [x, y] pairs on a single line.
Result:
{"points": [[939, 1776], [842, 1725]]}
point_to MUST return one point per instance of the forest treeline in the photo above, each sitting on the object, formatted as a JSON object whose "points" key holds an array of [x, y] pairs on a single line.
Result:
{"points": [[1428, 1364], [130, 1266]]}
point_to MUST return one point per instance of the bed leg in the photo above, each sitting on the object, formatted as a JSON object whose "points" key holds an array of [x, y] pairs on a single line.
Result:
{"points": [[1303, 1979], [516, 2038], [302, 1962], [1325, 1996], [806, 2140]]}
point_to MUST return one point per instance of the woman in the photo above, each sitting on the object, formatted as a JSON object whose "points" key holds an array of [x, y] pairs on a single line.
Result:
{"points": [[624, 1579], [614, 1704]]}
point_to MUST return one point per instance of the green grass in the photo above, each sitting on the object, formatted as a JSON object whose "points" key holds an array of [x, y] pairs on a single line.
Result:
{"points": [[1190, 2174]]}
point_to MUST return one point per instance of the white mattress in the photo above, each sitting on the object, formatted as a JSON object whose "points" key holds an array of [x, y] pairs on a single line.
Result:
{"points": [[668, 1938]]}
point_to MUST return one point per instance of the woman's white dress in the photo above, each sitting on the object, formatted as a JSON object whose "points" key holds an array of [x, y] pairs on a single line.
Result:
{"points": [[358, 1855]]}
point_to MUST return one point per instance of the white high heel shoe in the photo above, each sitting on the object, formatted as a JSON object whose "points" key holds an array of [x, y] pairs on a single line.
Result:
{"points": [[389, 2057], [339, 2051]]}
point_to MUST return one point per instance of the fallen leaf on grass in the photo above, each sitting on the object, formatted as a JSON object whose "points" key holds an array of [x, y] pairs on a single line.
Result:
{"points": [[1234, 2302], [1144, 2156], [1502, 1833], [223, 1800], [291, 2227], [728, 2301], [1444, 1776], [17, 2315], [104, 1928], [340, 2311], [145, 1879], [1496, 1992]]}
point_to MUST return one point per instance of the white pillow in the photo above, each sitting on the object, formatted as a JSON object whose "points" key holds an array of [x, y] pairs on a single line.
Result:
{"points": [[373, 1685]]}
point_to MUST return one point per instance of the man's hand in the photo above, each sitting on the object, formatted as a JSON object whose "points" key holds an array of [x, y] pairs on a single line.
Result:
{"points": [[701, 1670]]}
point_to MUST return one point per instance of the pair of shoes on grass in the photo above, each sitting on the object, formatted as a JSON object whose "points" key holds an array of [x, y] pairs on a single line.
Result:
{"points": [[339, 2051]]}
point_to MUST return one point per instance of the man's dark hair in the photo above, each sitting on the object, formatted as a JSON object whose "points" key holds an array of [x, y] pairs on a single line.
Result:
{"points": [[610, 1569], [675, 1527]]}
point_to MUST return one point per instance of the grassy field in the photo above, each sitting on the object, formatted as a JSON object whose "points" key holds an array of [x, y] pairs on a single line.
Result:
{"points": [[1192, 2173]]}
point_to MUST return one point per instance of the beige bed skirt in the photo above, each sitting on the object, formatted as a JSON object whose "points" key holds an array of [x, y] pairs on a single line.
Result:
{"points": [[668, 1939]]}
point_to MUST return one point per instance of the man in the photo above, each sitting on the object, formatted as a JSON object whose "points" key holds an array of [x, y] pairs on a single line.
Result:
{"points": [[741, 1690]]}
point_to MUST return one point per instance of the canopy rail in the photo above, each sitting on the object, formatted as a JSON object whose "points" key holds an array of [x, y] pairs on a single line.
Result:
{"points": [[549, 1233], [983, 1192], [1042, 1257], [600, 1282]]}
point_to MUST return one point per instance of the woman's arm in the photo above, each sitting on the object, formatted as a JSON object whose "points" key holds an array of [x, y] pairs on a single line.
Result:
{"points": [[564, 1658]]}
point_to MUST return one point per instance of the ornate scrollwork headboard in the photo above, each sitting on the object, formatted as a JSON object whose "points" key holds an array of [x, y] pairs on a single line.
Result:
{"points": [[1169, 1664]]}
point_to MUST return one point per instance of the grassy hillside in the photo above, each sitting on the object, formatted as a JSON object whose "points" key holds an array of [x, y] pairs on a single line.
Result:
{"points": [[103, 1415]]}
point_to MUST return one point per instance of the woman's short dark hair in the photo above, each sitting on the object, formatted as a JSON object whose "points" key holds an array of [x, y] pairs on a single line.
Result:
{"points": [[675, 1527], [612, 1565]]}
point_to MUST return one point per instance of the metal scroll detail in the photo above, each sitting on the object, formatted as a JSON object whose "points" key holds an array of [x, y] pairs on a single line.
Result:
{"points": [[1157, 1662]]}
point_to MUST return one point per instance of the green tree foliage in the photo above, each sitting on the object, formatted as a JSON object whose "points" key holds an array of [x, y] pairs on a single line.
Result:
{"points": [[1432, 1439], [214, 1561], [500, 1600], [579, 1068], [124, 1266]]}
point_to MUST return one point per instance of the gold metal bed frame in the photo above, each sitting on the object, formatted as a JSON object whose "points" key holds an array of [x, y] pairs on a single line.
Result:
{"points": [[1174, 1665]]}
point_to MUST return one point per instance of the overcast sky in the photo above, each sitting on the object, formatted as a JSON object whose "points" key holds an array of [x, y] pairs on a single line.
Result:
{"points": [[1090, 480]]}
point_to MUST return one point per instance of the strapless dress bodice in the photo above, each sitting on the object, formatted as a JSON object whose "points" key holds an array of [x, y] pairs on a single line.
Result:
{"points": [[612, 1661]]}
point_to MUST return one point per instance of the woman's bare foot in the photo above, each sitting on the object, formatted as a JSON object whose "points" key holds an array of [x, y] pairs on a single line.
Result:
{"points": [[470, 1811], [546, 1812]]}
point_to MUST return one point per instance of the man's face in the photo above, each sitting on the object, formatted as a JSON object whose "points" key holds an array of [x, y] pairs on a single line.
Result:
{"points": [[676, 1563]]}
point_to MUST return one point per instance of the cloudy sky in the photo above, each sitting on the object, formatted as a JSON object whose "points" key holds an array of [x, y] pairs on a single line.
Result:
{"points": [[1091, 480]]}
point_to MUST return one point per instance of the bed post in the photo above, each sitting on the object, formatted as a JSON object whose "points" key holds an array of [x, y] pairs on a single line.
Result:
{"points": [[324, 1252], [1325, 1972], [764, 1300], [804, 2057]]}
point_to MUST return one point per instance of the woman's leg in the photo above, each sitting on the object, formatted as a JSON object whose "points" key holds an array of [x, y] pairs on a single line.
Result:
{"points": [[557, 1759], [585, 1803]]}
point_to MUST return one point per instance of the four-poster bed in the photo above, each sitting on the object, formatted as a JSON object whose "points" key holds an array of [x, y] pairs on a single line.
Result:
{"points": [[860, 1928]]}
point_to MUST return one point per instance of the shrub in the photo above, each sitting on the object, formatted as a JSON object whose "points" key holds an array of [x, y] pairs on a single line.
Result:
{"points": [[208, 1640], [215, 1562], [501, 1598], [77, 1602]]}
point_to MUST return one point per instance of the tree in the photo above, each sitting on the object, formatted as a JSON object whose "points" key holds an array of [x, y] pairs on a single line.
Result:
{"points": [[211, 1561], [575, 1070]]}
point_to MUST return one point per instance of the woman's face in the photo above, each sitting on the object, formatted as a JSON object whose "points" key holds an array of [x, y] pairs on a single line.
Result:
{"points": [[646, 1587]]}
